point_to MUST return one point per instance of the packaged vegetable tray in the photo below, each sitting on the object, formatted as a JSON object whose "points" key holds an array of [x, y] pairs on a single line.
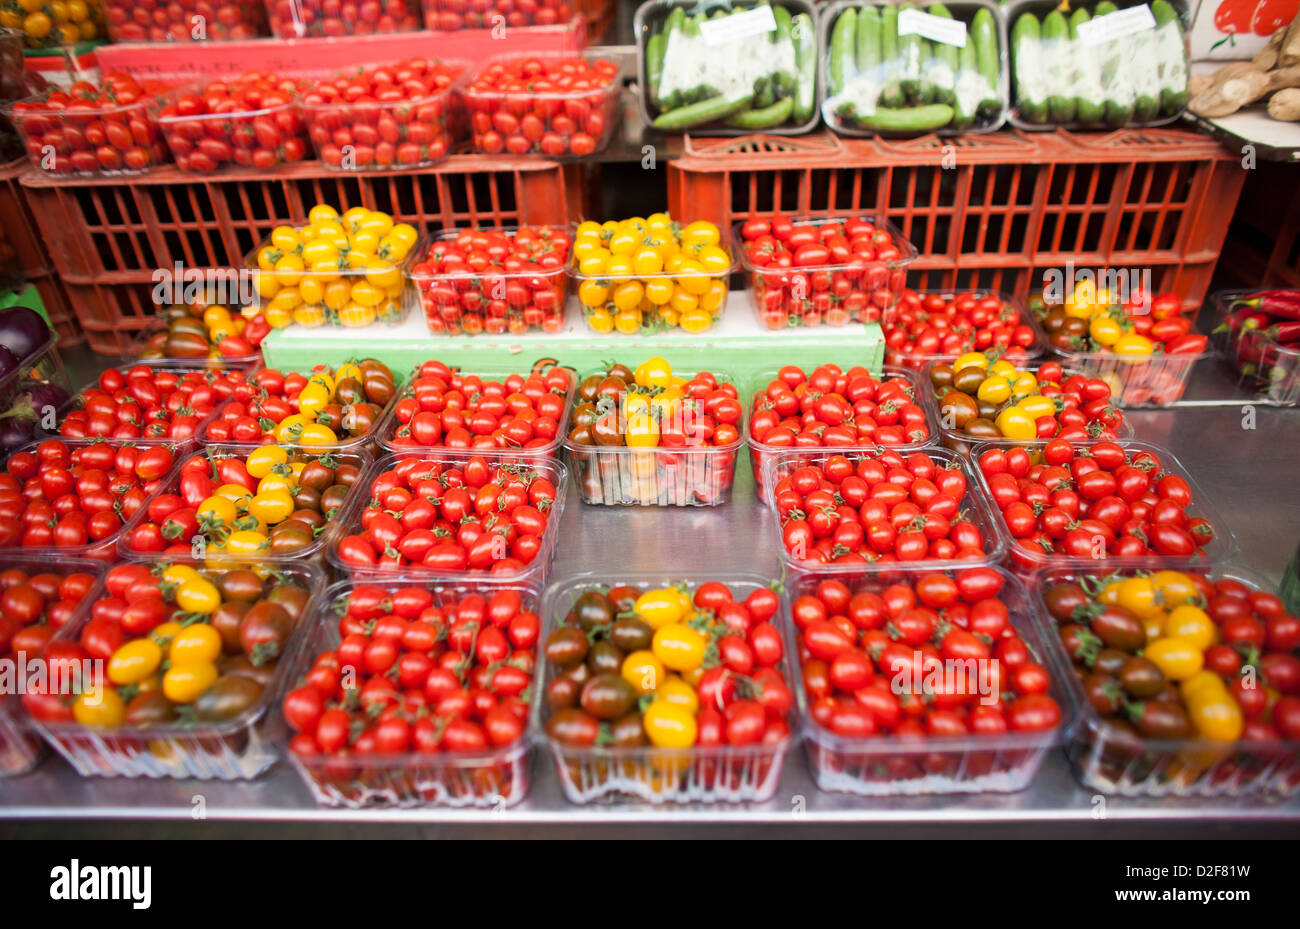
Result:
{"points": [[1097, 66], [906, 70], [1258, 337], [739, 68]]}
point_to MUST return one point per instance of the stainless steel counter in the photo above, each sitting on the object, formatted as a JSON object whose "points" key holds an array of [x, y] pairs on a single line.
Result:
{"points": [[1251, 474]]}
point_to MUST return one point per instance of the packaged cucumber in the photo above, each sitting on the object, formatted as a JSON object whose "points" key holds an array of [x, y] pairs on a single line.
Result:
{"points": [[1100, 66], [746, 66], [910, 68]]}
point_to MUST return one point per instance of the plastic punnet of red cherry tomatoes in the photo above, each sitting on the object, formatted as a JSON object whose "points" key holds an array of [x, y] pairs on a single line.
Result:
{"points": [[148, 402], [293, 19], [668, 667], [445, 408], [183, 20], [822, 272], [931, 326], [1096, 501], [70, 495], [92, 129], [983, 396], [452, 517], [452, 15], [556, 105], [869, 654], [1177, 655], [35, 604], [327, 406], [250, 121], [884, 507], [416, 670], [272, 503], [383, 116], [494, 280], [180, 646]]}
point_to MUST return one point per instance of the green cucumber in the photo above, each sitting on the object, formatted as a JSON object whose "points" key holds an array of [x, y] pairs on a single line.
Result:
{"points": [[1089, 105], [1171, 50], [909, 56], [946, 61], [965, 101], [1115, 81], [713, 110], [1144, 72], [841, 51], [654, 64], [765, 118], [985, 34], [868, 41], [915, 119], [1056, 45], [1026, 57], [785, 81], [892, 93], [805, 52]]}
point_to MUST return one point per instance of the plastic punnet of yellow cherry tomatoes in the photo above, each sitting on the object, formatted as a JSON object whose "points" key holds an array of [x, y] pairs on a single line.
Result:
{"points": [[647, 274], [180, 646], [184, 20], [828, 272], [558, 105], [339, 270], [323, 408], [493, 280], [268, 505], [44, 24], [296, 19], [654, 437]]}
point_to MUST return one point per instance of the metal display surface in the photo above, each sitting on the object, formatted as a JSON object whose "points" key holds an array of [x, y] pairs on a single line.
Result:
{"points": [[1249, 472]]}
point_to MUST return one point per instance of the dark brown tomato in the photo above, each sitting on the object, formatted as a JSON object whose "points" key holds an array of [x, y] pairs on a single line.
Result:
{"points": [[607, 696], [1119, 628], [240, 666], [350, 391], [627, 731], [263, 631], [227, 698], [566, 647], [226, 621], [592, 609], [307, 498], [240, 584], [562, 693], [346, 474], [291, 536], [573, 727], [316, 476], [1063, 599], [604, 657], [631, 634], [292, 596], [1141, 678], [1109, 661], [333, 498], [150, 709], [1103, 692]]}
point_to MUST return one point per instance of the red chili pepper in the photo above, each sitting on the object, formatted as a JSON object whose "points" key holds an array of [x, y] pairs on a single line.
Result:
{"points": [[1281, 303], [1285, 333]]}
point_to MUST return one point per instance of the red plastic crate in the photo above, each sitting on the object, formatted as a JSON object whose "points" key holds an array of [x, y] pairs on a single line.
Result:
{"points": [[991, 211]]}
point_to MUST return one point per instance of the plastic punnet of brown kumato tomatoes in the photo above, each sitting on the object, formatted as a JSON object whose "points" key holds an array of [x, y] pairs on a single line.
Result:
{"points": [[1092, 501], [420, 670], [669, 667], [249, 121], [448, 408], [291, 19], [387, 116], [554, 105], [148, 402], [922, 327], [825, 272], [92, 129], [269, 503], [183, 20], [453, 15], [883, 507], [451, 517], [321, 407], [869, 651], [35, 604], [178, 645], [494, 280], [1179, 655]]}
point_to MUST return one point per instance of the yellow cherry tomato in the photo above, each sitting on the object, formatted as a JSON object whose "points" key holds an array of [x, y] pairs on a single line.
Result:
{"points": [[994, 390], [588, 227], [1154, 625], [264, 460], [627, 296], [134, 661], [971, 360], [217, 511], [1178, 659], [700, 233], [600, 321], [713, 299], [593, 293], [185, 683], [1137, 594], [179, 573], [198, 595], [669, 725], [659, 607], [194, 643], [1105, 330], [163, 634], [99, 707], [285, 238], [696, 320], [1023, 384], [313, 399], [679, 646], [271, 508], [675, 690], [683, 301], [1015, 423], [653, 372], [236, 493], [247, 542], [1192, 624], [627, 321], [643, 670], [659, 290], [692, 277], [316, 434], [1036, 406], [1133, 346], [1109, 594], [1174, 587], [1212, 710], [642, 430]]}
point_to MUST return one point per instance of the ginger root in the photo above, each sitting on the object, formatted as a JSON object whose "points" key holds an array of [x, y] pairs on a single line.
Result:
{"points": [[1285, 105], [1231, 87]]}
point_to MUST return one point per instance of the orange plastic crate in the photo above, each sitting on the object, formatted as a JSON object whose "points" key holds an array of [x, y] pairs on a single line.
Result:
{"points": [[990, 211]]}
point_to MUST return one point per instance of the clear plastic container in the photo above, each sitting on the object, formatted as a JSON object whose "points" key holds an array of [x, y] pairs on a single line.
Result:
{"points": [[959, 441], [1025, 560], [20, 748], [24, 392], [678, 64], [150, 346], [1112, 761], [240, 748], [918, 360], [349, 523], [949, 87], [494, 779], [389, 427], [356, 457], [297, 19], [569, 123], [890, 765], [760, 451], [183, 20], [974, 504], [210, 143], [616, 475], [721, 774], [62, 142], [526, 301], [372, 135], [802, 297], [1261, 363]]}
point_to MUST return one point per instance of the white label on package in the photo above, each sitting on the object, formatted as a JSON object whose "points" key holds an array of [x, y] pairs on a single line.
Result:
{"points": [[934, 28], [1116, 25], [758, 21]]}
